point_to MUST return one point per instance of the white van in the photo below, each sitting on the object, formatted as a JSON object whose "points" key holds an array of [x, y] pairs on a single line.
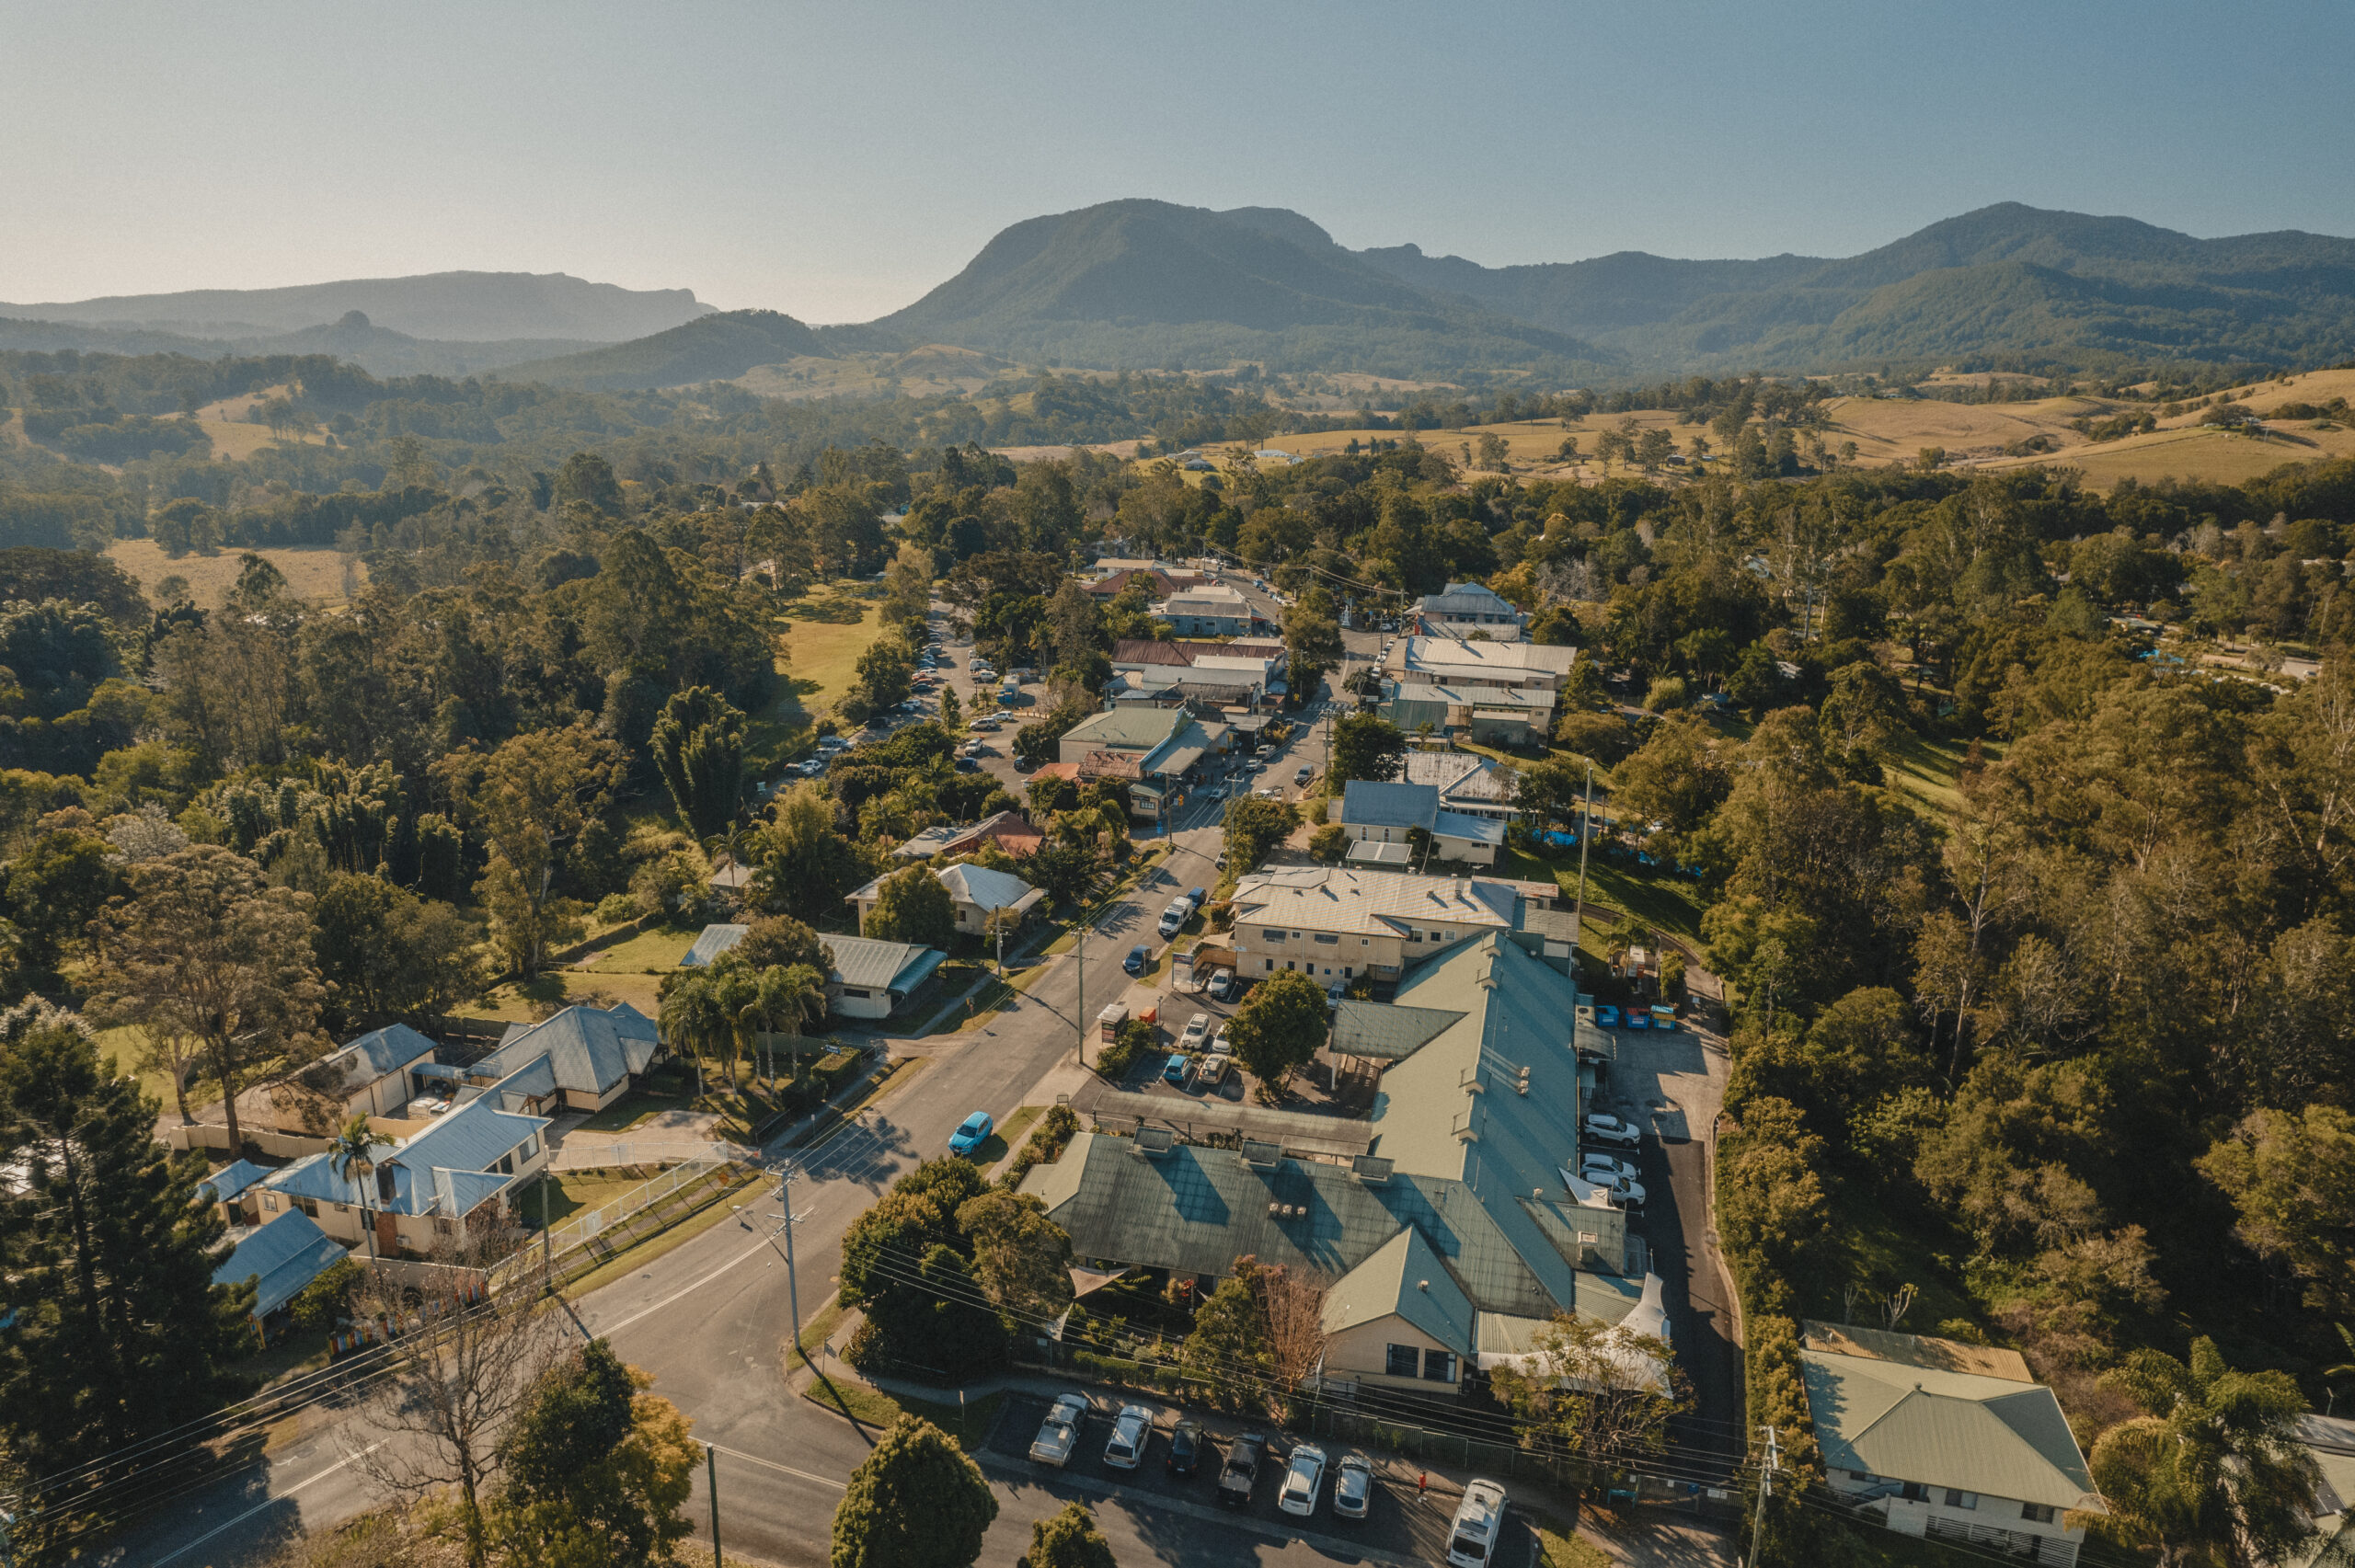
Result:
{"points": [[1480, 1521]]}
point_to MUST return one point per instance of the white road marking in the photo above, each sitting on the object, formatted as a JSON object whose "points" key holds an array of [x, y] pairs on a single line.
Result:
{"points": [[788, 1469], [267, 1504]]}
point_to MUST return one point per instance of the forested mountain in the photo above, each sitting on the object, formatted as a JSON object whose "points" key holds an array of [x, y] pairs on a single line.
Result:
{"points": [[1141, 284], [379, 350], [461, 306], [2004, 280], [711, 348]]}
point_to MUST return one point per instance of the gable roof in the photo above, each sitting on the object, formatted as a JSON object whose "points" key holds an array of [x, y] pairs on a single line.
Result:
{"points": [[231, 1179], [374, 1055], [1127, 728], [1993, 1435], [280, 1258], [1141, 650], [469, 1139], [1352, 899], [1460, 776], [1382, 1032], [1367, 802], [882, 966], [1916, 1350], [592, 1050], [986, 889], [1493, 660], [1404, 1277], [715, 940], [1468, 599]]}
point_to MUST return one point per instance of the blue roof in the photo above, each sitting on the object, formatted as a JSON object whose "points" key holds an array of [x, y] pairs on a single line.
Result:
{"points": [[592, 1050], [371, 1055], [715, 940], [1375, 804], [231, 1179], [468, 1140], [280, 1259]]}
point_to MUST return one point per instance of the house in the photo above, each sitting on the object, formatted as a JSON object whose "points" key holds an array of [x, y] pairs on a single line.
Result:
{"points": [[1452, 661], [1337, 923], [870, 979], [461, 1171], [1947, 1440], [1163, 744], [713, 941], [1468, 783], [1012, 831], [369, 1077], [1450, 1246], [2331, 1443], [1392, 813], [1489, 714], [975, 891], [582, 1060], [280, 1258], [1208, 610], [231, 1188], [1463, 608], [1159, 584]]}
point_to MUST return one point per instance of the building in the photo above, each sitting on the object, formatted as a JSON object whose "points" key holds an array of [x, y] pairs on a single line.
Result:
{"points": [[1450, 1246], [234, 1188], [1468, 783], [871, 979], [1947, 1440], [280, 1258], [1463, 608], [1490, 714], [369, 1077], [1151, 748], [2331, 1443], [975, 891], [1452, 661], [1159, 583], [710, 944], [1337, 923], [1010, 831], [461, 1171], [1393, 813], [1210, 610], [583, 1059]]}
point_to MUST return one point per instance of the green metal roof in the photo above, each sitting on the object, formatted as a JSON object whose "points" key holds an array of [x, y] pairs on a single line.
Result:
{"points": [[1991, 1435], [1404, 1279], [1387, 1034], [1128, 729]]}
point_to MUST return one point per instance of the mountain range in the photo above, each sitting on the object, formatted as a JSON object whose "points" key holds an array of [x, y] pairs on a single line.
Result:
{"points": [[1150, 285]]}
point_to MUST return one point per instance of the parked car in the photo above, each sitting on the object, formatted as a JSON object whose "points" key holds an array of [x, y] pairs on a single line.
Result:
{"points": [[1198, 896], [1197, 1033], [1172, 1072], [1058, 1434], [1598, 1167], [1242, 1469], [1333, 995], [1131, 1430], [1222, 984], [1185, 1448], [1139, 957], [1627, 1189], [1210, 1072], [1352, 1486], [1223, 1043], [1304, 1478], [1613, 1129], [1480, 1521], [1303, 773], [971, 1133], [1178, 913]]}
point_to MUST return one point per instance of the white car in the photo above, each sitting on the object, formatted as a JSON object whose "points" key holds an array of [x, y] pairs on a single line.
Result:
{"points": [[1304, 1478], [1352, 1486], [1222, 984], [1628, 1190], [1197, 1030], [1223, 1043], [1599, 1167], [1131, 1430], [1480, 1521], [1179, 912], [1614, 1130], [1058, 1434]]}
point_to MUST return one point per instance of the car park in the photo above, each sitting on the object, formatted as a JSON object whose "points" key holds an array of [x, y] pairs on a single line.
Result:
{"points": [[971, 1133], [1222, 984], [1131, 1430], [1352, 1487], [1612, 1129], [1197, 1033], [1139, 957], [1058, 1434], [1184, 1455], [1242, 1469], [1172, 1072], [1303, 1480], [1479, 1521]]}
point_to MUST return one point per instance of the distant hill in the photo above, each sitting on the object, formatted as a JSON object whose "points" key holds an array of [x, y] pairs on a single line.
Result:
{"points": [[445, 306], [1139, 283], [376, 350], [2007, 279], [712, 347]]}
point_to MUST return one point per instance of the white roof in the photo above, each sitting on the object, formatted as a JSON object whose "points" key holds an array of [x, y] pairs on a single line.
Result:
{"points": [[1493, 659], [1352, 899], [978, 884]]}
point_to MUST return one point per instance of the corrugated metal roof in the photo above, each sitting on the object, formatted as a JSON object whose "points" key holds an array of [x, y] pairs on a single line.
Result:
{"points": [[715, 940], [1127, 728], [1351, 900], [280, 1258], [1407, 1278], [882, 966], [1516, 698], [232, 1179], [1991, 1435], [1495, 658], [985, 888], [1477, 829], [1468, 599], [592, 1049], [376, 1054], [1374, 852], [1385, 1032], [1371, 804], [473, 1137]]}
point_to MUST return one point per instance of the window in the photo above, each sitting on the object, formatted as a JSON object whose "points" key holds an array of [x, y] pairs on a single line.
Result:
{"points": [[1271, 936], [2037, 1513], [531, 1146], [269, 1202], [1958, 1498], [1271, 966], [507, 1164], [343, 1208], [1914, 1491], [1439, 1366], [1413, 936], [861, 992], [1328, 941], [1403, 1361]]}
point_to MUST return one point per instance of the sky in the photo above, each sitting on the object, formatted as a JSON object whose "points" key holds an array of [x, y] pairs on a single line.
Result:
{"points": [[837, 161]]}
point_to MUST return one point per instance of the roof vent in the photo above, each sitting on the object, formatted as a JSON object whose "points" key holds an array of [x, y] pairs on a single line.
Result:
{"points": [[1152, 1142], [1274, 1208], [1372, 1169], [1262, 1156], [1426, 1284]]}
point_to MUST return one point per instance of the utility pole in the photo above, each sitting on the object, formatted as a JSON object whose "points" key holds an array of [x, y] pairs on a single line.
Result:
{"points": [[711, 1479], [1586, 832], [792, 1285], [1766, 1489]]}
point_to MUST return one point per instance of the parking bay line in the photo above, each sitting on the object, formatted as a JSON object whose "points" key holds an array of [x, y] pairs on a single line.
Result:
{"points": [[1336, 1546]]}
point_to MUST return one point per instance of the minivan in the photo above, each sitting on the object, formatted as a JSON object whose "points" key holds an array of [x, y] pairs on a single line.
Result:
{"points": [[1480, 1521]]}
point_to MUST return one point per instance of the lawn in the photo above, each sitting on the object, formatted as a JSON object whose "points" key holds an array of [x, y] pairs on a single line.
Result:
{"points": [[1663, 899], [826, 632], [119, 1047], [1571, 1549], [1009, 1135], [1926, 770], [967, 1423], [530, 1001], [653, 952], [312, 574], [572, 1192], [633, 1108], [1868, 1246]]}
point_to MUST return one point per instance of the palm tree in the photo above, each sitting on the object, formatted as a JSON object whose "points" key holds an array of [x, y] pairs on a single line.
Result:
{"points": [[691, 1016], [2214, 1474], [352, 1155], [2344, 1370]]}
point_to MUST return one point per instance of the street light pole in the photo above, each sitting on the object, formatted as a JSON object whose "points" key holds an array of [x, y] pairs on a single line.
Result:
{"points": [[792, 1283]]}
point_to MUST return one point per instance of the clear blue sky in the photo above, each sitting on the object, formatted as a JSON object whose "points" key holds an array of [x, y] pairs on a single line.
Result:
{"points": [[837, 160]]}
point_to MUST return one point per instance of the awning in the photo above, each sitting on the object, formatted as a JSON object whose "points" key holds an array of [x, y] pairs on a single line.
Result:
{"points": [[1177, 761], [1086, 1280]]}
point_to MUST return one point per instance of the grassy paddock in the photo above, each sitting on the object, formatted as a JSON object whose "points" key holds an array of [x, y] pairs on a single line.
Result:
{"points": [[653, 952], [312, 573]]}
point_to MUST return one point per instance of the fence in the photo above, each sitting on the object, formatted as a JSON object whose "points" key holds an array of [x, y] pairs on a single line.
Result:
{"points": [[575, 1154], [609, 1229]]}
